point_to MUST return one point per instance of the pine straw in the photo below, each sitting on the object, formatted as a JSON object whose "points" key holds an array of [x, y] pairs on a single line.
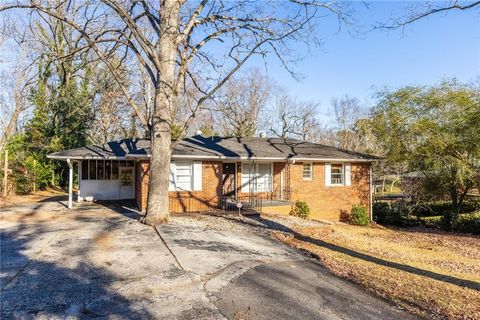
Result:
{"points": [[435, 275]]}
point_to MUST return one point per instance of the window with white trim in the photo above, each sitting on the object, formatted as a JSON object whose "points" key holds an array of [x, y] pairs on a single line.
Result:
{"points": [[264, 177], [257, 177], [103, 169], [183, 175], [336, 174], [307, 171]]}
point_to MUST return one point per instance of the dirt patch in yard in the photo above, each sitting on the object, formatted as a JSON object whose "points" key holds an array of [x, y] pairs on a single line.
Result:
{"points": [[43, 212], [33, 197], [436, 275]]}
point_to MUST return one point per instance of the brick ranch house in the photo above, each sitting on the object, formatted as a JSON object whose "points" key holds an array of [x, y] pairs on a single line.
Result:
{"points": [[218, 172]]}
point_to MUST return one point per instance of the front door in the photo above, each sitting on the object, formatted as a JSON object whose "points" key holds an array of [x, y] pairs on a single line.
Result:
{"points": [[228, 179], [127, 186]]}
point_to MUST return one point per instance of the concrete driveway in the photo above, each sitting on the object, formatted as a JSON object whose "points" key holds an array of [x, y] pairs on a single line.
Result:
{"points": [[96, 261]]}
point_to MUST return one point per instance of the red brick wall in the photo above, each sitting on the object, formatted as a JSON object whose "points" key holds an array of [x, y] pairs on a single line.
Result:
{"points": [[185, 201], [327, 202]]}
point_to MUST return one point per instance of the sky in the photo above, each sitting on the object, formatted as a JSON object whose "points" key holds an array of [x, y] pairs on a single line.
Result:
{"points": [[425, 52], [437, 47]]}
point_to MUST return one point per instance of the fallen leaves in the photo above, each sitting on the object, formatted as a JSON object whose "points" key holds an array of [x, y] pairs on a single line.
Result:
{"points": [[428, 263]]}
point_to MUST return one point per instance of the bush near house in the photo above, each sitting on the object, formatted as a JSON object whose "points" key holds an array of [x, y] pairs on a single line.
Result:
{"points": [[359, 216], [300, 209]]}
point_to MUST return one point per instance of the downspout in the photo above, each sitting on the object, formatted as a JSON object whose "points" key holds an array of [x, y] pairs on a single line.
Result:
{"points": [[236, 182], [281, 182], [70, 183]]}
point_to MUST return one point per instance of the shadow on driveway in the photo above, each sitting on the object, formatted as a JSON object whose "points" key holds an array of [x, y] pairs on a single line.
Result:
{"points": [[32, 287], [269, 224]]}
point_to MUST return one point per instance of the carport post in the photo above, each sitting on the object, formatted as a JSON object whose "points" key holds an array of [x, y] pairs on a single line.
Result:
{"points": [[70, 183]]}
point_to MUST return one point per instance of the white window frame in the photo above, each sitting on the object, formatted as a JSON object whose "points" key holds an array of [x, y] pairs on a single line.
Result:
{"points": [[188, 164], [269, 177], [310, 177], [342, 175], [247, 182]]}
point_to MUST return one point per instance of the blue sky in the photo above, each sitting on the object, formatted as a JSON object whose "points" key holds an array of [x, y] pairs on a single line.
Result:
{"points": [[437, 47], [423, 53]]}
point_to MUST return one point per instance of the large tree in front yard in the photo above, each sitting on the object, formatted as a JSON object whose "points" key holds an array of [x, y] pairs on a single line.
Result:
{"points": [[434, 131], [182, 45]]}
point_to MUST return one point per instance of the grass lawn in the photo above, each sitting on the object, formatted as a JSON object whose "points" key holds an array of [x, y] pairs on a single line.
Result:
{"points": [[433, 274]]}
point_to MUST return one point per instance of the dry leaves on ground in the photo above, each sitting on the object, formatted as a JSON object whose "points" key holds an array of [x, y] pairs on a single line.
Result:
{"points": [[436, 275]]}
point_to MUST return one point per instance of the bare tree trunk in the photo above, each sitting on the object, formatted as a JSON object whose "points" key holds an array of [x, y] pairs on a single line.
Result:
{"points": [[11, 127], [158, 200], [166, 101]]}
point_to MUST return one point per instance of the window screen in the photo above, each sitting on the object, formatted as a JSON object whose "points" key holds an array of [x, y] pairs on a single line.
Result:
{"points": [[126, 177], [85, 170], [108, 170], [336, 174], [100, 169], [183, 175], [114, 170], [93, 170], [307, 171]]}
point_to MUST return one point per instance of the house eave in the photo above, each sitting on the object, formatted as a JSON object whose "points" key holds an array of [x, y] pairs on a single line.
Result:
{"points": [[129, 157], [195, 157]]}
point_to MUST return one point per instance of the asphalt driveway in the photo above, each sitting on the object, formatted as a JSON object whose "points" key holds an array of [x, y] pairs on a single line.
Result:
{"points": [[96, 261]]}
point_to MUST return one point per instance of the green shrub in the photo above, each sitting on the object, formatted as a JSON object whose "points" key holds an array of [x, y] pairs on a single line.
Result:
{"points": [[359, 216], [432, 222], [467, 223], [380, 211], [471, 206], [300, 209], [439, 208], [464, 223], [398, 213]]}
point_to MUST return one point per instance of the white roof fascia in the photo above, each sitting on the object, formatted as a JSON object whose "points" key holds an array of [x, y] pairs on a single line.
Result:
{"points": [[193, 157]]}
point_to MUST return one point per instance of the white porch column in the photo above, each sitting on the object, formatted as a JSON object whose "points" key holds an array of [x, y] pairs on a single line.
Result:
{"points": [[371, 190], [70, 183], [79, 172]]}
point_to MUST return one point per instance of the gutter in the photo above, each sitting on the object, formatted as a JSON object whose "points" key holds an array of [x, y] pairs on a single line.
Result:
{"points": [[146, 157]]}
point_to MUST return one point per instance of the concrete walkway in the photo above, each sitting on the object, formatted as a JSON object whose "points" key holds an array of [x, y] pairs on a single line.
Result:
{"points": [[96, 261]]}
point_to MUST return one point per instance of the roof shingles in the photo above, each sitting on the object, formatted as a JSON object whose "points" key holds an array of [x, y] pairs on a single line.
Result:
{"points": [[218, 147]]}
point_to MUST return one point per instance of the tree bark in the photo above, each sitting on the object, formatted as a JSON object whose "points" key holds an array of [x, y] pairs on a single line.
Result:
{"points": [[158, 200], [166, 101]]}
